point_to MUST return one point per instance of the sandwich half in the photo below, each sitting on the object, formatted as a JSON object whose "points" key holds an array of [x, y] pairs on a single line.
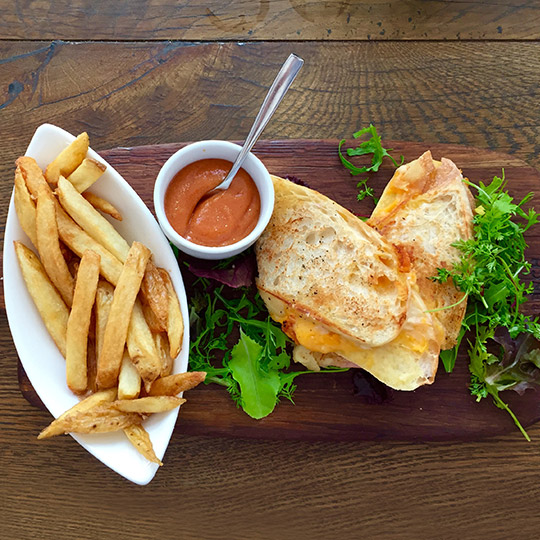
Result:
{"points": [[342, 292], [424, 209]]}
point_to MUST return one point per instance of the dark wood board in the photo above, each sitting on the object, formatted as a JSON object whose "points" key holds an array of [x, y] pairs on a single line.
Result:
{"points": [[325, 407]]}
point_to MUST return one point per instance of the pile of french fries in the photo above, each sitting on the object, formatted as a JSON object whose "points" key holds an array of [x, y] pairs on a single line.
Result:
{"points": [[113, 314]]}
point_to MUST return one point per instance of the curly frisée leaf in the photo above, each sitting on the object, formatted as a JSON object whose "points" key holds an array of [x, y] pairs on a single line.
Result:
{"points": [[259, 389], [490, 273]]}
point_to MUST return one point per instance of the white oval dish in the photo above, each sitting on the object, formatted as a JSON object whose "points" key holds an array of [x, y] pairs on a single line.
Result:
{"points": [[39, 355], [214, 150]]}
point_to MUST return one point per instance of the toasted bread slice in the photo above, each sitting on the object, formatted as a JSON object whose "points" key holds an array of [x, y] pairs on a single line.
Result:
{"points": [[324, 262], [424, 209]]}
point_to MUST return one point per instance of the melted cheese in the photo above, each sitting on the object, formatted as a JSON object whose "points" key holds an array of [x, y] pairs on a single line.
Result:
{"points": [[316, 337]]}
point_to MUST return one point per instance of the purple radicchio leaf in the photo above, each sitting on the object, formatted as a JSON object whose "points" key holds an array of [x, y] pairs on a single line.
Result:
{"points": [[516, 365], [508, 345], [240, 272], [295, 180]]}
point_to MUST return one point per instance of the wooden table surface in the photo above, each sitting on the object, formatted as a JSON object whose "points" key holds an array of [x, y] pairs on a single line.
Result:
{"points": [[145, 72]]}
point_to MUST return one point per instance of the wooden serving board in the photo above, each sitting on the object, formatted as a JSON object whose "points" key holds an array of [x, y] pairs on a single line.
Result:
{"points": [[325, 406]]}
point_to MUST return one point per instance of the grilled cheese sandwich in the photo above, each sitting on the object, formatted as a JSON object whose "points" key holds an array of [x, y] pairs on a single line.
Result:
{"points": [[339, 291]]}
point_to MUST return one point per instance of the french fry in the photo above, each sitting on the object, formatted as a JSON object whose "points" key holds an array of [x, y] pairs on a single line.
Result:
{"points": [[104, 297], [32, 174], [48, 245], [148, 405], [101, 419], [91, 402], [92, 366], [49, 303], [86, 174], [162, 346], [102, 205], [155, 294], [174, 384], [129, 380], [68, 159], [90, 220], [25, 207], [175, 321], [125, 294], [79, 322], [140, 439], [78, 241], [141, 347], [153, 322]]}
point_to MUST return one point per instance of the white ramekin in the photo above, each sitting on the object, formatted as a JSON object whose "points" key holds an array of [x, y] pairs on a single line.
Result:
{"points": [[213, 150]]}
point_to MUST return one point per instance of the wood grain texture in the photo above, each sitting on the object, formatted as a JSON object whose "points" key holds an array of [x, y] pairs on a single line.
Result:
{"points": [[480, 94], [476, 94], [270, 20], [326, 408]]}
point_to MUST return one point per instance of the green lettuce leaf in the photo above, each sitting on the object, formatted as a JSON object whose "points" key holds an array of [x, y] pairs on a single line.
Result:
{"points": [[258, 389]]}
